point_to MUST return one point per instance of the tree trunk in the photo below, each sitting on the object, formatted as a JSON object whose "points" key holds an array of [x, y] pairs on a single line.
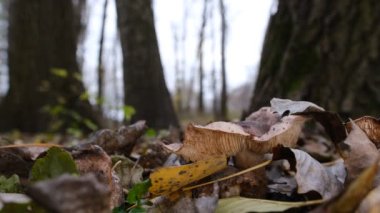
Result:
{"points": [[200, 57], [100, 59], [179, 81], [144, 82], [43, 71], [223, 96], [323, 51]]}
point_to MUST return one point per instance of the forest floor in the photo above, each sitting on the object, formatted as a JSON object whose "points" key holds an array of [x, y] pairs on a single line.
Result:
{"points": [[291, 156]]}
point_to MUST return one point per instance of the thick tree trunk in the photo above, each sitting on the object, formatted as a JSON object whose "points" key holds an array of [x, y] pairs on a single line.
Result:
{"points": [[42, 37], [323, 51], [144, 82]]}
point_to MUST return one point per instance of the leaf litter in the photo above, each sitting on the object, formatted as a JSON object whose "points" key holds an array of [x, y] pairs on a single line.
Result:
{"points": [[273, 165]]}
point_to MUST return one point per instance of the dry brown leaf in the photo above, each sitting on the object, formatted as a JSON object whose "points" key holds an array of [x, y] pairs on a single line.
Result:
{"points": [[259, 122], [224, 138], [331, 122], [259, 133], [371, 203], [121, 140], [18, 159], [351, 198], [93, 159], [371, 126], [309, 174], [362, 154], [62, 194]]}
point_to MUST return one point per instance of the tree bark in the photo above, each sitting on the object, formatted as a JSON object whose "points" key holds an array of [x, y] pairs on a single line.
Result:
{"points": [[144, 84], [42, 36], [223, 95], [323, 51], [200, 57], [100, 59]]}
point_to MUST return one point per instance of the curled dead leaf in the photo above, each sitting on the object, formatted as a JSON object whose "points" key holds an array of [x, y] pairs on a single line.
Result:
{"points": [[308, 173], [370, 125], [224, 138], [371, 203], [362, 154], [288, 106], [351, 198], [121, 140], [93, 159]]}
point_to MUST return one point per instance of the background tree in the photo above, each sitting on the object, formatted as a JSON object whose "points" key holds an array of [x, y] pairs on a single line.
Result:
{"points": [[223, 31], [44, 79], [144, 83], [201, 71], [323, 51], [101, 71]]}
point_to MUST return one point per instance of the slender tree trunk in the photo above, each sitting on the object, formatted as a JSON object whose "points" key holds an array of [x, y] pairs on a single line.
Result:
{"points": [[223, 96], [327, 52], [100, 59], [144, 83], [200, 57], [214, 73], [43, 69], [178, 72]]}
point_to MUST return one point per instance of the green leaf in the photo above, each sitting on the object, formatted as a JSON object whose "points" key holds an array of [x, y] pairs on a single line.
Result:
{"points": [[77, 76], [62, 73], [138, 191], [241, 204], [56, 162], [151, 133], [129, 111], [10, 185], [85, 96], [138, 210], [120, 209], [89, 124], [75, 132]]}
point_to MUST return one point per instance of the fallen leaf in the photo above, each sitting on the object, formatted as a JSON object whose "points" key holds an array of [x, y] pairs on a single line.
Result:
{"points": [[19, 159], [138, 191], [71, 194], [241, 204], [338, 169], [331, 122], [207, 203], [314, 140], [170, 179], [350, 199], [309, 174], [119, 141], [10, 185], [260, 122], [93, 159], [224, 138], [362, 154], [283, 106], [14, 202], [371, 203], [370, 125], [128, 171], [56, 162]]}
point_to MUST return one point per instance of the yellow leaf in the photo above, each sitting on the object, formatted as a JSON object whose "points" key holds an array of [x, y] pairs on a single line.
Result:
{"points": [[170, 179]]}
